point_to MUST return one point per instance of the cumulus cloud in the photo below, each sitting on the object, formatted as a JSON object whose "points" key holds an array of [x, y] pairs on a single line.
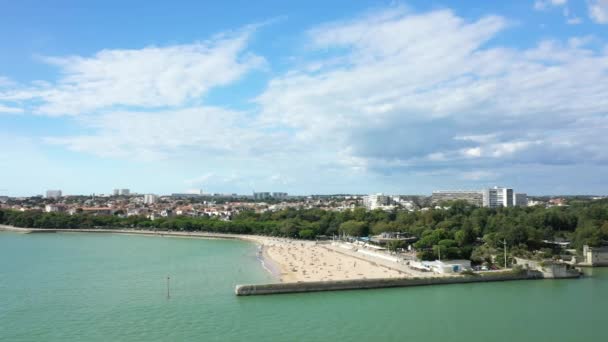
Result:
{"points": [[151, 77], [598, 11], [431, 89], [391, 92]]}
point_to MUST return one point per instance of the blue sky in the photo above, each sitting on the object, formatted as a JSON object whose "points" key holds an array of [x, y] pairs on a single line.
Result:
{"points": [[304, 97]]}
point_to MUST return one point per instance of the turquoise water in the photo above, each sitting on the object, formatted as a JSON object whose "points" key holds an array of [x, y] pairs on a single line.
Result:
{"points": [[102, 287]]}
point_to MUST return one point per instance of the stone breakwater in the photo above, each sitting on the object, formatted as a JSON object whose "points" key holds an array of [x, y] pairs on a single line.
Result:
{"points": [[358, 284]]}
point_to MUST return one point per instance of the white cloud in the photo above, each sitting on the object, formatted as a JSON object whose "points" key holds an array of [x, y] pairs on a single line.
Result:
{"points": [[165, 134], [5, 82], [544, 4], [391, 92], [598, 11], [10, 110], [422, 90], [570, 18], [152, 77], [202, 179], [479, 175]]}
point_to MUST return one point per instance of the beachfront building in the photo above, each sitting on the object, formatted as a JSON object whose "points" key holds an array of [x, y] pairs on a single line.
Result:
{"points": [[53, 194], [474, 197], [497, 197], [448, 266]]}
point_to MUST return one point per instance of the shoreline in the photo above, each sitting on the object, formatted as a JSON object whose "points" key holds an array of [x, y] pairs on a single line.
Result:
{"points": [[287, 260], [204, 235]]}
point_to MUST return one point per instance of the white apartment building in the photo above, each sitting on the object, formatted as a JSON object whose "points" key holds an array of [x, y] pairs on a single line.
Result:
{"points": [[376, 201], [53, 194], [498, 197], [150, 198], [121, 192]]}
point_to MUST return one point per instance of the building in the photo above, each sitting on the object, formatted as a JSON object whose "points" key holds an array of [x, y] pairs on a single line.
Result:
{"points": [[520, 199], [560, 202], [260, 196], [376, 201], [595, 256], [279, 195], [53, 194], [150, 198], [97, 211], [54, 208], [121, 192], [186, 195], [498, 197], [474, 197], [443, 266]]}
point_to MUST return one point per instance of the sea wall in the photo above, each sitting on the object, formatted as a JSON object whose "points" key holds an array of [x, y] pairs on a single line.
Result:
{"points": [[338, 285]]}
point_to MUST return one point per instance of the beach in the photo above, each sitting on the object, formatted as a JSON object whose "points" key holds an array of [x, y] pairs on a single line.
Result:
{"points": [[302, 261], [288, 260]]}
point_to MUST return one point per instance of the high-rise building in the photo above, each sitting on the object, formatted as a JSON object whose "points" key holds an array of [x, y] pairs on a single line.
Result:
{"points": [[498, 197], [279, 195], [261, 195], [474, 197], [150, 198], [53, 194], [115, 192], [376, 201], [520, 199], [124, 192]]}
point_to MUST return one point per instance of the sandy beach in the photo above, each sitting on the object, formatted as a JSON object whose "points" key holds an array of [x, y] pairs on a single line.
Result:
{"points": [[308, 261], [290, 260]]}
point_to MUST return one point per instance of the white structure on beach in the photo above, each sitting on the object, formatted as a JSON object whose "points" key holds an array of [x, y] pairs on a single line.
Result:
{"points": [[447, 266]]}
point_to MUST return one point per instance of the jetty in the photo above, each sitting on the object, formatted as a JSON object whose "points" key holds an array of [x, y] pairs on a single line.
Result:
{"points": [[360, 284]]}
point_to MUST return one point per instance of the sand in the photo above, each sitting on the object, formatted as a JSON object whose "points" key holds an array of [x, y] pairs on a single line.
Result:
{"points": [[307, 261]]}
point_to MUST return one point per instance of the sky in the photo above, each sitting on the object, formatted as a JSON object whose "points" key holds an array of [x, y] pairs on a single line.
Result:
{"points": [[304, 97]]}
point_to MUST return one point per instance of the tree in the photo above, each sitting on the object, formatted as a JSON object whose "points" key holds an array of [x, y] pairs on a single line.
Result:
{"points": [[307, 234], [381, 227], [354, 228]]}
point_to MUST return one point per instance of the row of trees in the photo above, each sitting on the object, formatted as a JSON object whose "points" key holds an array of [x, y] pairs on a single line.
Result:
{"points": [[459, 230]]}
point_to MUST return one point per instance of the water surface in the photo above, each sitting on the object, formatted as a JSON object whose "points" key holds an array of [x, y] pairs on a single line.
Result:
{"points": [[106, 287]]}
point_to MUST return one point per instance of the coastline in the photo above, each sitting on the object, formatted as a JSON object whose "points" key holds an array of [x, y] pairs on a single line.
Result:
{"points": [[287, 260]]}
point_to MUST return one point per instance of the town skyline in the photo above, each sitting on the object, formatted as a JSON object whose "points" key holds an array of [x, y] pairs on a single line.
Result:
{"points": [[311, 97]]}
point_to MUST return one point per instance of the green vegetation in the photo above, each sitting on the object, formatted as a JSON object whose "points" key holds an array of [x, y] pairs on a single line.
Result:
{"points": [[460, 231]]}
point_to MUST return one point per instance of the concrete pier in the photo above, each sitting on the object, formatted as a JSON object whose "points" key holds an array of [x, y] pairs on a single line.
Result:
{"points": [[356, 284]]}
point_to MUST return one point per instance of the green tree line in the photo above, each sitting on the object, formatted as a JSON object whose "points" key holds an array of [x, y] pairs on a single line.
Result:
{"points": [[458, 230]]}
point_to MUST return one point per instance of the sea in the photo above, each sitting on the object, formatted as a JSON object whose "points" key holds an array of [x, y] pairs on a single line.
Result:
{"points": [[111, 287]]}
